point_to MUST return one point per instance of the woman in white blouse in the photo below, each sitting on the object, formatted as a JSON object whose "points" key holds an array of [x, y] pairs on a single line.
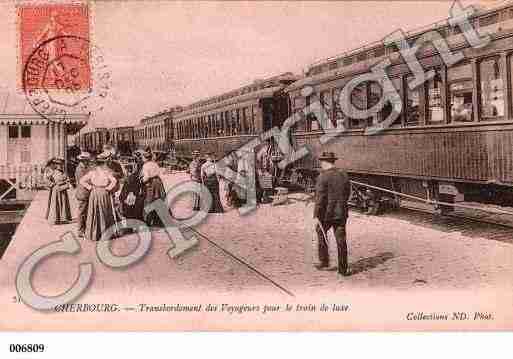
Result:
{"points": [[153, 188], [100, 215]]}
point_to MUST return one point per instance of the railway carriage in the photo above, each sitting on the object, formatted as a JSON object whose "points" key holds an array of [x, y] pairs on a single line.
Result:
{"points": [[156, 131], [121, 138], [453, 139], [94, 139], [224, 123]]}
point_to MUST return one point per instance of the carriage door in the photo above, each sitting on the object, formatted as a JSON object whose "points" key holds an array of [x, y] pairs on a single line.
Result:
{"points": [[267, 113]]}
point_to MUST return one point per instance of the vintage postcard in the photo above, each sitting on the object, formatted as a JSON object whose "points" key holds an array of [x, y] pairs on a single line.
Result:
{"points": [[256, 166]]}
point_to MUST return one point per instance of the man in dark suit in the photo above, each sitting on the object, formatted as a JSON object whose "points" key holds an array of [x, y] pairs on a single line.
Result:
{"points": [[332, 194], [81, 193]]}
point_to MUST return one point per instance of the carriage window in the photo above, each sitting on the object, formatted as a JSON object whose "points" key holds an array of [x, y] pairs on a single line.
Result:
{"points": [[492, 95], [412, 104], [220, 129], [339, 116], [220, 124], [489, 20], [253, 123], [327, 104], [375, 94], [311, 120], [227, 124], [390, 100], [245, 118], [240, 125], [359, 100], [380, 51], [235, 123], [435, 110], [460, 93]]}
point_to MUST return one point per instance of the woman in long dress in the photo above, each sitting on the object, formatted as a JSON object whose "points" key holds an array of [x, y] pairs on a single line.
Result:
{"points": [[48, 171], [59, 209], [195, 173], [153, 188], [100, 214], [132, 193], [211, 181]]}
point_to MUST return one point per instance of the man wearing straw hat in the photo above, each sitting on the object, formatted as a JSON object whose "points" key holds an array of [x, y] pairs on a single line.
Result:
{"points": [[332, 194], [81, 193]]}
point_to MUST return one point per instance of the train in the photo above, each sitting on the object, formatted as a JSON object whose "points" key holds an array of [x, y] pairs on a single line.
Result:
{"points": [[451, 141], [226, 122]]}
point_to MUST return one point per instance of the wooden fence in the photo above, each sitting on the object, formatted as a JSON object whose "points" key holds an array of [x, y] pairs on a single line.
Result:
{"points": [[21, 180]]}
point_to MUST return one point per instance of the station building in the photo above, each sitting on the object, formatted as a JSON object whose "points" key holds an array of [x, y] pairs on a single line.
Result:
{"points": [[27, 142]]}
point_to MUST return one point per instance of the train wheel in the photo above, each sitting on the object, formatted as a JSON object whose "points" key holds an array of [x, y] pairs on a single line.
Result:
{"points": [[373, 208], [442, 209], [356, 197]]}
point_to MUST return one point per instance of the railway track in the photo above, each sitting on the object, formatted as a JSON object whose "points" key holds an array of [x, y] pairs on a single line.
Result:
{"points": [[466, 216], [241, 261], [467, 225]]}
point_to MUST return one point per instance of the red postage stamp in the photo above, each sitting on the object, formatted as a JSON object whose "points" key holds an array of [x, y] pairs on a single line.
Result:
{"points": [[54, 47]]}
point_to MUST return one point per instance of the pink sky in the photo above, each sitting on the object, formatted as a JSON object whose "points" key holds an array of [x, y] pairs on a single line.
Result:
{"points": [[163, 54]]}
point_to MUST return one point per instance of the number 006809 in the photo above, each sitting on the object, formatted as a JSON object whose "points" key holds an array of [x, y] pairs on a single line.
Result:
{"points": [[26, 348]]}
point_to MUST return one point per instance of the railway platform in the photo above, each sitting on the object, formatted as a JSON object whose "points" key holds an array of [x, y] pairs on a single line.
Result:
{"points": [[265, 253]]}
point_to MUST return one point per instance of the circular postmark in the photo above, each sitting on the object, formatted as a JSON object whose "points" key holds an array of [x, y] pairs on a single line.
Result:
{"points": [[65, 76]]}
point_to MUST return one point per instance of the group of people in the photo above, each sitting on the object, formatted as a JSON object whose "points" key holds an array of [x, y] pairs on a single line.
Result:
{"points": [[331, 197], [100, 178], [236, 174], [105, 194]]}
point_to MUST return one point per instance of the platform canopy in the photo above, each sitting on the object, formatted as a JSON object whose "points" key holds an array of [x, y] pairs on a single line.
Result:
{"points": [[74, 122]]}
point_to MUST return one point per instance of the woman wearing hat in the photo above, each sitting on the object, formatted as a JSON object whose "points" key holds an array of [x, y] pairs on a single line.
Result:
{"points": [[47, 175], [211, 181], [59, 209], [195, 173], [132, 192], [81, 193], [153, 187], [100, 183]]}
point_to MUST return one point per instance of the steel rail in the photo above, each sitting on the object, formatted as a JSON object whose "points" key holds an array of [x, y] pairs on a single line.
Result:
{"points": [[460, 217], [429, 201], [242, 261]]}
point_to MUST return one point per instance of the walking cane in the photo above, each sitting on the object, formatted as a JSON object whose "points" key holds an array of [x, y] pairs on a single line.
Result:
{"points": [[324, 235]]}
